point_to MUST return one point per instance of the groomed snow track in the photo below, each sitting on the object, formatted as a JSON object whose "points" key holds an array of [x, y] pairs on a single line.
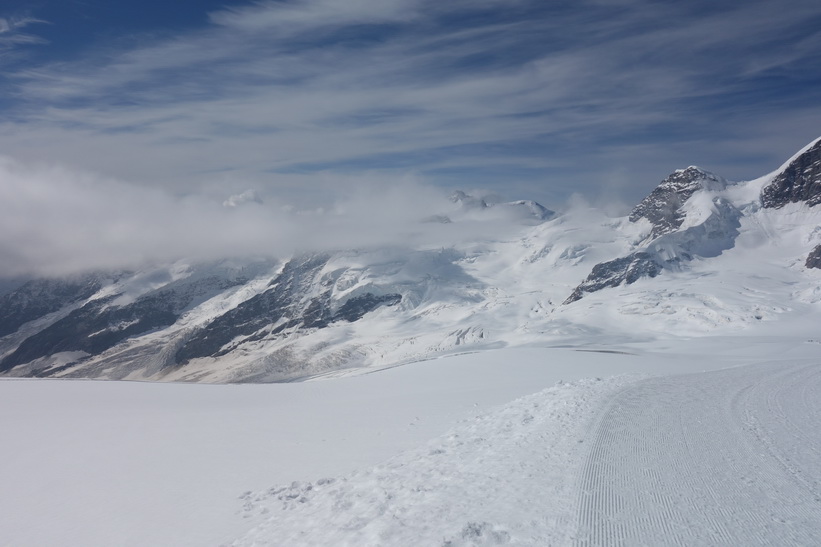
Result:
{"points": [[731, 457]]}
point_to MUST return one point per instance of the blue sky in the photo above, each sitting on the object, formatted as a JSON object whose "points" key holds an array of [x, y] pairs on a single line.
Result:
{"points": [[304, 99]]}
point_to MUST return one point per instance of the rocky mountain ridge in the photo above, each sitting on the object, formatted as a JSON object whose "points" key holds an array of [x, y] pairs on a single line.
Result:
{"points": [[321, 313], [800, 181]]}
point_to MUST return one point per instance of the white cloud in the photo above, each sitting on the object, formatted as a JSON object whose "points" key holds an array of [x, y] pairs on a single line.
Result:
{"points": [[55, 220]]}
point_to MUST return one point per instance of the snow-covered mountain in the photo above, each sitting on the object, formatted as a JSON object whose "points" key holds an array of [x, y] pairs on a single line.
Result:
{"points": [[699, 254]]}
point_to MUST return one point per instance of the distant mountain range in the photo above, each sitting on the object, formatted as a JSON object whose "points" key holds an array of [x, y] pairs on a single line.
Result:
{"points": [[698, 255]]}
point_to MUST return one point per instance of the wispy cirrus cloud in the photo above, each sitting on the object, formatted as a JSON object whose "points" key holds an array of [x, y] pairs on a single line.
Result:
{"points": [[12, 34], [528, 94], [292, 17]]}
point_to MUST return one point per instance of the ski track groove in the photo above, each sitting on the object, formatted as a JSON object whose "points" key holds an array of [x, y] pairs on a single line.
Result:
{"points": [[731, 457]]}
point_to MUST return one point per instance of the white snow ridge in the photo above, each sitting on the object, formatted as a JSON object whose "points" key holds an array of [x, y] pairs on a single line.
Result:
{"points": [[541, 379]]}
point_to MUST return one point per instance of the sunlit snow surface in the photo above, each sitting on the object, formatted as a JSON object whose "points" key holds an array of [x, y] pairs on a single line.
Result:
{"points": [[473, 449]]}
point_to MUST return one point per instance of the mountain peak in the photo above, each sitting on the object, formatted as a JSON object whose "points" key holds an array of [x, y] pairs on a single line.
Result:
{"points": [[692, 177], [524, 210], [534, 208], [692, 170], [663, 206]]}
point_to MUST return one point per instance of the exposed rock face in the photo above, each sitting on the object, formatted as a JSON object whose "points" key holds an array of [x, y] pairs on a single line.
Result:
{"points": [[800, 181], [101, 324], [625, 270], [814, 258], [286, 305], [43, 296], [663, 207], [275, 304]]}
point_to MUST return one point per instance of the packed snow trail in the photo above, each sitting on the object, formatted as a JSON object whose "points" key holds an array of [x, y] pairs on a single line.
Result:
{"points": [[505, 477], [731, 457]]}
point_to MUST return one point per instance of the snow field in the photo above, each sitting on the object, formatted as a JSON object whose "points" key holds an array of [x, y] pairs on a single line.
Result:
{"points": [[98, 463], [130, 464]]}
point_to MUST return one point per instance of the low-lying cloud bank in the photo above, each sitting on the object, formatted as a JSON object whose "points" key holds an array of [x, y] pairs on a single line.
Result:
{"points": [[56, 221]]}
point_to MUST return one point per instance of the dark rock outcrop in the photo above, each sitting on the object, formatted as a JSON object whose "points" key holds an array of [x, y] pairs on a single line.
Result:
{"points": [[663, 206], [624, 270], [814, 258], [40, 297], [799, 181], [274, 306]]}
